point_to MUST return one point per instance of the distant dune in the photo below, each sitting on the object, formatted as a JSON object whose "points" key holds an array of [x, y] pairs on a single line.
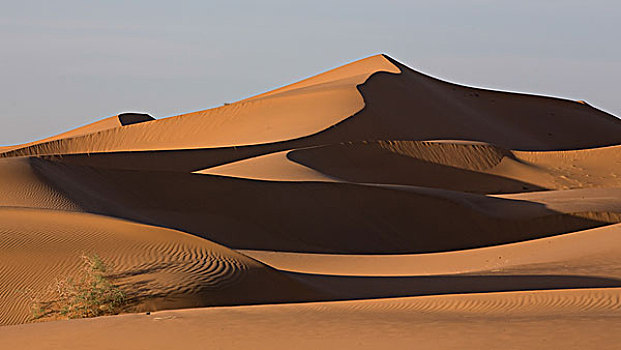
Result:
{"points": [[369, 206]]}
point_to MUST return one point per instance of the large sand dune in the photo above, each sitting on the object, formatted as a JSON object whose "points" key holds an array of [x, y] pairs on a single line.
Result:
{"points": [[490, 216]]}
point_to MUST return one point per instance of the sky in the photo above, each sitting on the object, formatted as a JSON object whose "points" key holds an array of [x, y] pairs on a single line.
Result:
{"points": [[64, 64]]}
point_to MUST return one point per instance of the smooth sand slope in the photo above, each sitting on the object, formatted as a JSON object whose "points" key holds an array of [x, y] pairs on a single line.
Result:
{"points": [[370, 206], [570, 319], [595, 251]]}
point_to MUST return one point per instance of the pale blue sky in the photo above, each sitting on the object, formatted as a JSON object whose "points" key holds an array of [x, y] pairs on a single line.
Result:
{"points": [[68, 63]]}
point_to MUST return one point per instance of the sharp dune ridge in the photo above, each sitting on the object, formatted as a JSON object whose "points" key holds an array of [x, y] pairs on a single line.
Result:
{"points": [[367, 201]]}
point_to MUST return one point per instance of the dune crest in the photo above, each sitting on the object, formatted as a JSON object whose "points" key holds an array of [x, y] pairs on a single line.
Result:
{"points": [[370, 194], [291, 112]]}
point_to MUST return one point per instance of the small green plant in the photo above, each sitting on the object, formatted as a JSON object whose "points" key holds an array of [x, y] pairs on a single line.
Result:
{"points": [[92, 294]]}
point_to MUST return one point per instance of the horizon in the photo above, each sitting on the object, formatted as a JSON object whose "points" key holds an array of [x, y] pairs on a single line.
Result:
{"points": [[68, 66]]}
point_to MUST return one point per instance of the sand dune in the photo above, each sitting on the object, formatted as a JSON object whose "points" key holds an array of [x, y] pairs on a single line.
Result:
{"points": [[272, 167], [281, 115], [164, 268], [22, 187], [462, 166], [571, 319], [379, 207], [250, 214], [373, 99], [113, 122], [599, 249]]}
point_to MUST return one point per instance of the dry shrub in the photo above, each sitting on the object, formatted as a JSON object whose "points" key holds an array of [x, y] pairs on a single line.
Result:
{"points": [[92, 294]]}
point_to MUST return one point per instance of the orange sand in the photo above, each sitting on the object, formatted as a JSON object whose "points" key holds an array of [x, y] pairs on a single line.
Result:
{"points": [[368, 207]]}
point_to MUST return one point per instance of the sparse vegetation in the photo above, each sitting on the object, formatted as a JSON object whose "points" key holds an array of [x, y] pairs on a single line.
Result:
{"points": [[93, 294]]}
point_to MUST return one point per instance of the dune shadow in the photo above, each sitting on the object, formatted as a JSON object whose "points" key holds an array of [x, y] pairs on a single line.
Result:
{"points": [[354, 287], [381, 167], [311, 217]]}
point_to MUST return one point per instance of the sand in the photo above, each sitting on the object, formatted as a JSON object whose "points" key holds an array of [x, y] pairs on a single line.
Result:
{"points": [[370, 206], [569, 319]]}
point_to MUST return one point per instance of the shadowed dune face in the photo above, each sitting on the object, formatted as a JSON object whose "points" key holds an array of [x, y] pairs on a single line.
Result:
{"points": [[447, 111], [414, 163], [465, 166], [372, 219], [368, 181]]}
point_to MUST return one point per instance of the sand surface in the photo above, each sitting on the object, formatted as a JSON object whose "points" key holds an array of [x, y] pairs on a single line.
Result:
{"points": [[367, 207], [569, 319]]}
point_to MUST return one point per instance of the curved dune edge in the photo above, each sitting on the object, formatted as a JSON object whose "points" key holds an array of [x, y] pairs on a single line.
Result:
{"points": [[353, 103], [287, 113], [169, 269], [464, 166], [159, 268], [22, 187], [270, 167], [321, 217], [113, 122], [310, 216], [454, 165], [573, 249], [568, 319]]}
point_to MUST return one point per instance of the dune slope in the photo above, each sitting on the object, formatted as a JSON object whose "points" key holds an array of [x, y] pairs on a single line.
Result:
{"points": [[375, 98], [524, 320], [316, 216], [158, 268], [377, 206]]}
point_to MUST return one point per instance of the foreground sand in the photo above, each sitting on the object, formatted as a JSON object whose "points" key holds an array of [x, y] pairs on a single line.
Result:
{"points": [[569, 319], [370, 206]]}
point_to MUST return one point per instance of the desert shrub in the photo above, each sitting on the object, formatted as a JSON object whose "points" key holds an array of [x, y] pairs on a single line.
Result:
{"points": [[92, 294]]}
